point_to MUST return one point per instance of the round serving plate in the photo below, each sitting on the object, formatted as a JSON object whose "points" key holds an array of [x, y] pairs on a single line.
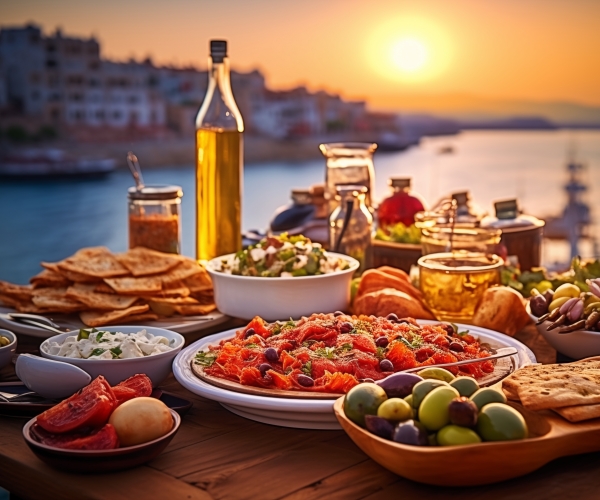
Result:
{"points": [[301, 413]]}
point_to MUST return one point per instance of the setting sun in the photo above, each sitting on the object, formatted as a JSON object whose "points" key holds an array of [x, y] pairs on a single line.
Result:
{"points": [[409, 50], [409, 55]]}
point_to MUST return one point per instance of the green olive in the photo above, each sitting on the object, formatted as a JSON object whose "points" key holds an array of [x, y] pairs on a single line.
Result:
{"points": [[433, 412], [453, 435], [4, 341], [500, 422], [363, 399], [487, 395], [466, 386], [409, 400], [421, 389], [395, 409], [436, 373]]}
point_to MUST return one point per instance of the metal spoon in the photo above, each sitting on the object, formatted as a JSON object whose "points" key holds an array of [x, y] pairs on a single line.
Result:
{"points": [[136, 170], [500, 353], [38, 321]]}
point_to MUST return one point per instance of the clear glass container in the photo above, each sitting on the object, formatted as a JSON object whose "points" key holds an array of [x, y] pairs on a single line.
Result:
{"points": [[351, 226], [219, 162], [443, 238], [348, 163], [155, 217], [454, 283]]}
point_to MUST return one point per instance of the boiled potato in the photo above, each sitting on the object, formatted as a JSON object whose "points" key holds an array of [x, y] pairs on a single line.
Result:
{"points": [[141, 420]]}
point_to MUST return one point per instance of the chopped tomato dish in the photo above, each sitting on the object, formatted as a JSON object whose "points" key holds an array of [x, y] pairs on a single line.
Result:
{"points": [[334, 352]]}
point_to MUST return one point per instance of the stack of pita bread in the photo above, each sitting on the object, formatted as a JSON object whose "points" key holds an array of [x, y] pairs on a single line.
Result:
{"points": [[105, 288], [572, 390]]}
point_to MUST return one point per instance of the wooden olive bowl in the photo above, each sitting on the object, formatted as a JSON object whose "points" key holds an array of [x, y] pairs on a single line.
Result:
{"points": [[550, 437]]}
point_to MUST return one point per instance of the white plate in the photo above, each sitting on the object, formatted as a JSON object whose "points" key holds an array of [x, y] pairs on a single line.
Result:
{"points": [[179, 324], [300, 413]]}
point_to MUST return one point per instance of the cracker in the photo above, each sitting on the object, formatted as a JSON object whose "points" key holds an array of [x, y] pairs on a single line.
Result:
{"points": [[100, 301], [199, 282], [57, 304], [19, 292], [185, 269], [69, 275], [103, 288], [143, 262], [49, 278], [97, 318], [579, 413], [98, 266], [135, 286], [194, 309], [9, 301], [564, 389]]}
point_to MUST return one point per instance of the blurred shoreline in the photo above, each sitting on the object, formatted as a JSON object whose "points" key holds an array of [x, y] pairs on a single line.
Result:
{"points": [[154, 153]]}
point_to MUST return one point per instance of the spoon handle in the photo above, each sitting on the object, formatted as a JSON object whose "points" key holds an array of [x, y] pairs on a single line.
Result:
{"points": [[39, 325], [136, 171], [500, 353]]}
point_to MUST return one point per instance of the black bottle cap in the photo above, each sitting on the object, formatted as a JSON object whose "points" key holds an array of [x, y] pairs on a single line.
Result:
{"points": [[218, 50]]}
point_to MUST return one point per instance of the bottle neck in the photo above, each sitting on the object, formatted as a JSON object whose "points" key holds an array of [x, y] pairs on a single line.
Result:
{"points": [[219, 109]]}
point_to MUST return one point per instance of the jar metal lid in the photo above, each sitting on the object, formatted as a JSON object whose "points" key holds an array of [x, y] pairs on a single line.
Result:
{"points": [[349, 188], [155, 192], [400, 182]]}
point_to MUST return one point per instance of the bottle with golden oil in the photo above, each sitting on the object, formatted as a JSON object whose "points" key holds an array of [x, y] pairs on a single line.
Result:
{"points": [[219, 162]]}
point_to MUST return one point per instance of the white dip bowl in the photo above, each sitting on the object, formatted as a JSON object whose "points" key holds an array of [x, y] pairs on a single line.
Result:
{"points": [[279, 298], [157, 367]]}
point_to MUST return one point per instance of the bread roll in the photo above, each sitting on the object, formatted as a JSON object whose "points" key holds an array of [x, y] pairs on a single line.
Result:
{"points": [[501, 309], [374, 279], [389, 300]]}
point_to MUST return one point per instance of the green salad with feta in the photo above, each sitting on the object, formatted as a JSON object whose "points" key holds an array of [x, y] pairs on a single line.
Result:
{"points": [[282, 256]]}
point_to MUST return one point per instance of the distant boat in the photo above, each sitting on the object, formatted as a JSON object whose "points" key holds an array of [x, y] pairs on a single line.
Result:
{"points": [[576, 221], [50, 163], [448, 149]]}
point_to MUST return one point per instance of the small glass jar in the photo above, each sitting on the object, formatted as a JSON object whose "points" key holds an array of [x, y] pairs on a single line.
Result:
{"points": [[401, 206], [155, 217], [351, 226]]}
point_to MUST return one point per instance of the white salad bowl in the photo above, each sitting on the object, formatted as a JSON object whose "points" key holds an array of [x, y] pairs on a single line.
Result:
{"points": [[7, 351], [157, 367], [579, 344], [281, 297]]}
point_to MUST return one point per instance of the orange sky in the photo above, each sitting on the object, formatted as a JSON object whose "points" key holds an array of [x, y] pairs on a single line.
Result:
{"points": [[515, 49]]}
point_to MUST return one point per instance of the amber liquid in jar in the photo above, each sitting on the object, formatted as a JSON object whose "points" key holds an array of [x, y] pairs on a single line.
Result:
{"points": [[452, 287], [218, 194]]}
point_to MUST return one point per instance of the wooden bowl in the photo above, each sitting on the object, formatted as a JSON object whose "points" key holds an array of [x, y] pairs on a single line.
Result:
{"points": [[95, 461], [476, 464], [400, 255]]}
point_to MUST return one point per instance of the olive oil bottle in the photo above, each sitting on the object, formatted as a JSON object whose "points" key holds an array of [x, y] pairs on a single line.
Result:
{"points": [[219, 162]]}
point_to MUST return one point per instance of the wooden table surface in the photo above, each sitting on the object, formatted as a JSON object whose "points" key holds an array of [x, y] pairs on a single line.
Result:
{"points": [[218, 455]]}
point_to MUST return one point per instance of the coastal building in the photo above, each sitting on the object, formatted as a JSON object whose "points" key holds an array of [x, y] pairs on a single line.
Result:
{"points": [[63, 82]]}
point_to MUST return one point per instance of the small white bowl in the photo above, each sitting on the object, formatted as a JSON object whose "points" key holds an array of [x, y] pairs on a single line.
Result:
{"points": [[281, 298], [157, 367], [7, 351], [579, 344], [49, 378]]}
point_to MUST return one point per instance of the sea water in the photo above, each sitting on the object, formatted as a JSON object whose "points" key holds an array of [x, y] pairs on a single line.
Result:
{"points": [[49, 219]]}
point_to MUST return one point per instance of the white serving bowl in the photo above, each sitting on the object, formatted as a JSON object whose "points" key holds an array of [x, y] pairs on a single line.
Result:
{"points": [[579, 344], [157, 367], [49, 378], [276, 298], [7, 351]]}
